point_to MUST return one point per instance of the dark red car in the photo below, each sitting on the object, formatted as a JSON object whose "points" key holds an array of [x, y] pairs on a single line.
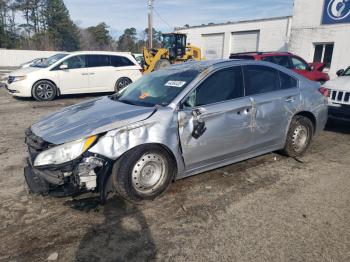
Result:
{"points": [[312, 71]]}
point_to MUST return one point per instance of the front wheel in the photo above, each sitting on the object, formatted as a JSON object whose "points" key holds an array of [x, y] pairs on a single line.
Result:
{"points": [[299, 136], [44, 90], [143, 173], [162, 63]]}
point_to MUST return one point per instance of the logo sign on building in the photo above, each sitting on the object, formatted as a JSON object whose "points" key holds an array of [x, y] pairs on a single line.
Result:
{"points": [[336, 12]]}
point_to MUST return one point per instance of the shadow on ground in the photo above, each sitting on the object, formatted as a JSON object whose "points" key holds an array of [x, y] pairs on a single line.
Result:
{"points": [[123, 236], [338, 126]]}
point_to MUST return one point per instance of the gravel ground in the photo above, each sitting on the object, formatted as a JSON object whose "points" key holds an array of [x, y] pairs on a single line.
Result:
{"points": [[270, 208]]}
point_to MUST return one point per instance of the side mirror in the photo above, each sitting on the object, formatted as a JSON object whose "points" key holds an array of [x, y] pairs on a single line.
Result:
{"points": [[63, 66], [340, 72]]}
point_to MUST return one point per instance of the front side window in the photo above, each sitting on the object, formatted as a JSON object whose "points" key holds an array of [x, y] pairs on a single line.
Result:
{"points": [[223, 85], [260, 79], [156, 88], [98, 60], [75, 62], [299, 64]]}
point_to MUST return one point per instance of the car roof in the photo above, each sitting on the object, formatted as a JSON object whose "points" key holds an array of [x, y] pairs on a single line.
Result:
{"points": [[212, 65], [263, 53], [99, 53]]}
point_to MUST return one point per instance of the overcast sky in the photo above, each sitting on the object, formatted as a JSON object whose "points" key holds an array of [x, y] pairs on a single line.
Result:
{"points": [[121, 14]]}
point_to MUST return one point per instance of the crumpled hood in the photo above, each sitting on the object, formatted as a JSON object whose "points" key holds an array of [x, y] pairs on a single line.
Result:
{"points": [[24, 71], [88, 118], [341, 83]]}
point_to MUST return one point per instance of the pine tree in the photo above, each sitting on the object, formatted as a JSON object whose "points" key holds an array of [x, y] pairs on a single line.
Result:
{"points": [[60, 28]]}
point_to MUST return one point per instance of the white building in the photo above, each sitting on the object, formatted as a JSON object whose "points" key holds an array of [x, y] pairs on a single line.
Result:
{"points": [[319, 30], [318, 39]]}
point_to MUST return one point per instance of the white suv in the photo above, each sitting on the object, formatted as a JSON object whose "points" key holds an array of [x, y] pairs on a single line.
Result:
{"points": [[73, 73], [339, 92]]}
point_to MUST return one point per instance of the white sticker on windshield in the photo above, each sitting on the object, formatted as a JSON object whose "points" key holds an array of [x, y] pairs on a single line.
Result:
{"points": [[175, 83]]}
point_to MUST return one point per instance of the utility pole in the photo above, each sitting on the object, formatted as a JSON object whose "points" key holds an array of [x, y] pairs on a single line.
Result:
{"points": [[150, 24]]}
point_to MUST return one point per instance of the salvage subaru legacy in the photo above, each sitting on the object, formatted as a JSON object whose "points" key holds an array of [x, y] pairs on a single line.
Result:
{"points": [[171, 124]]}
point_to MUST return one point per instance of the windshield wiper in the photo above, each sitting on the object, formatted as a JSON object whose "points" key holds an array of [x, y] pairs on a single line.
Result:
{"points": [[127, 102]]}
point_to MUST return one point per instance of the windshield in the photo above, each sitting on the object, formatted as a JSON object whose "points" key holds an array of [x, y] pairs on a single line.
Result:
{"points": [[168, 41], [50, 61], [347, 72], [157, 88]]}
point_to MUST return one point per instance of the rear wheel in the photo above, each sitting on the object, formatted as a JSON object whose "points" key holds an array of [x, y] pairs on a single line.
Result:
{"points": [[162, 63], [299, 136], [44, 90], [122, 83], [143, 173]]}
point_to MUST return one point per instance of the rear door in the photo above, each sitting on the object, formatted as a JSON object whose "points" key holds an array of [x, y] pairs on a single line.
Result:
{"points": [[215, 119], [275, 97]]}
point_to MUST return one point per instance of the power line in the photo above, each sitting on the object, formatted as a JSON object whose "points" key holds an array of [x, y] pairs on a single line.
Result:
{"points": [[164, 21]]}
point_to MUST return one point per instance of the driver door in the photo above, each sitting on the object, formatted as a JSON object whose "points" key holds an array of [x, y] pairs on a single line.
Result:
{"points": [[215, 120], [75, 78]]}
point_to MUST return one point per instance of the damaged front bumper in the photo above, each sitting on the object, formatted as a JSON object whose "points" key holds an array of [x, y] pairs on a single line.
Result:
{"points": [[90, 172]]}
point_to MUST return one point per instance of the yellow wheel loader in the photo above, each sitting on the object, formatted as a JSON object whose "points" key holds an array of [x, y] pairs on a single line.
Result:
{"points": [[174, 50]]}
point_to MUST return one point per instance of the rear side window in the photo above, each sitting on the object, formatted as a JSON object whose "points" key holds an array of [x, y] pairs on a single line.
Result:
{"points": [[98, 60], [279, 60], [118, 61], [287, 81], [260, 79], [243, 57], [223, 85]]}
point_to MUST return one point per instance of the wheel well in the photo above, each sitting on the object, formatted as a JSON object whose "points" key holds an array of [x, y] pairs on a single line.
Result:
{"points": [[52, 82], [171, 154], [310, 116]]}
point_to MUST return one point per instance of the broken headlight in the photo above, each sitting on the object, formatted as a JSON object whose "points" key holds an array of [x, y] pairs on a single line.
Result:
{"points": [[64, 153]]}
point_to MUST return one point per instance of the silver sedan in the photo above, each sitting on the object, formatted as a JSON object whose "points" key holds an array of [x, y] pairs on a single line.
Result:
{"points": [[171, 124]]}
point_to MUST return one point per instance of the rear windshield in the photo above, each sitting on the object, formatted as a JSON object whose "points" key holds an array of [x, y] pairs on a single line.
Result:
{"points": [[157, 88], [244, 57]]}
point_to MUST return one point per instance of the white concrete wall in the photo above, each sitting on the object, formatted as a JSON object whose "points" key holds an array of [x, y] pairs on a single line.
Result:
{"points": [[307, 30], [13, 58], [274, 33]]}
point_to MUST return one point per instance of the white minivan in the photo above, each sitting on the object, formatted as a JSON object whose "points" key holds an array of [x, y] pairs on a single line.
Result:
{"points": [[74, 73]]}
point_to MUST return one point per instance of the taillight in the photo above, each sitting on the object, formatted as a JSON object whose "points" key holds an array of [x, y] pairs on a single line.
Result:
{"points": [[325, 91]]}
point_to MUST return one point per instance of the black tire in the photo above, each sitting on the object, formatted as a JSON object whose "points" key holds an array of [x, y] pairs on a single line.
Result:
{"points": [[125, 179], [44, 90], [162, 63], [122, 83], [299, 136]]}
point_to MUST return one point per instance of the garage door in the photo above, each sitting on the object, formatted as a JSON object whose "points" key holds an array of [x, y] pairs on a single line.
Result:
{"points": [[213, 45], [245, 41]]}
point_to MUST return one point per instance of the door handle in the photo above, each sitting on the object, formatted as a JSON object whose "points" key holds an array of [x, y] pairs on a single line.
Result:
{"points": [[290, 99], [198, 111], [244, 111], [85, 74]]}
